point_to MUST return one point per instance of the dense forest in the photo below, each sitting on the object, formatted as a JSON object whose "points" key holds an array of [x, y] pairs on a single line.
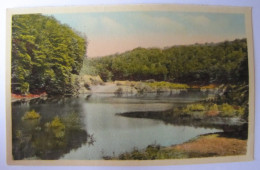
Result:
{"points": [[198, 64], [46, 55]]}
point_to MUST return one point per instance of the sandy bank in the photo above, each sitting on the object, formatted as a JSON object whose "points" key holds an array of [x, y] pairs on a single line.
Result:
{"points": [[213, 144]]}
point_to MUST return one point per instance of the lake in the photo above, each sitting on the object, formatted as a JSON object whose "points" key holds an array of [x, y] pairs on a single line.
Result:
{"points": [[92, 128]]}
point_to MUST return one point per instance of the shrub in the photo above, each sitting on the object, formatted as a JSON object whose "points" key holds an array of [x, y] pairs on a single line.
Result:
{"points": [[241, 111], [214, 107], [196, 107], [213, 110], [164, 84], [227, 110], [31, 115]]}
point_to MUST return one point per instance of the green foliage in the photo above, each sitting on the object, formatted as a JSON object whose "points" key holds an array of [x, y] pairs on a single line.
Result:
{"points": [[203, 110], [224, 62], [153, 152], [164, 84], [227, 110], [231, 111], [213, 110], [88, 68], [195, 107], [214, 107], [45, 54], [31, 115], [236, 95], [24, 88], [241, 111]]}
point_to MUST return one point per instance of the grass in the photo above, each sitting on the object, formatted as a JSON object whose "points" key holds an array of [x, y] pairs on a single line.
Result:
{"points": [[214, 144], [31, 115], [204, 146], [223, 110]]}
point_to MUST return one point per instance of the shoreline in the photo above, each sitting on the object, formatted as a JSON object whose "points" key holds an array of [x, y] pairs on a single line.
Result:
{"points": [[206, 145], [127, 87], [28, 97]]}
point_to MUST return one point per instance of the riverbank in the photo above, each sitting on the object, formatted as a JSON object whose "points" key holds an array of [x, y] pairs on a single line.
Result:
{"points": [[27, 97], [142, 88], [210, 145]]}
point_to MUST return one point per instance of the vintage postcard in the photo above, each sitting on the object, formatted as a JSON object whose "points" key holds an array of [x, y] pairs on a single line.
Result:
{"points": [[129, 85]]}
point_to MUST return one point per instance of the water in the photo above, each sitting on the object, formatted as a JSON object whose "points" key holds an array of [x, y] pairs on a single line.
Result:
{"points": [[93, 130]]}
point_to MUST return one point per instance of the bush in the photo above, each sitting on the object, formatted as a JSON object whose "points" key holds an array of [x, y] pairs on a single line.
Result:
{"points": [[227, 110], [31, 115], [196, 107], [164, 84], [214, 107], [213, 110], [25, 88], [241, 111]]}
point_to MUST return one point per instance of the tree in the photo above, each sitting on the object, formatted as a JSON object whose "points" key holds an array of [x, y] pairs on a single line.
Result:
{"points": [[45, 54]]}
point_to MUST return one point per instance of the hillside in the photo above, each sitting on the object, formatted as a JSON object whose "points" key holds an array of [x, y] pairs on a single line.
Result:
{"points": [[202, 64]]}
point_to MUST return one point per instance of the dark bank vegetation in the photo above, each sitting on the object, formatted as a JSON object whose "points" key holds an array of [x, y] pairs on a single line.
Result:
{"points": [[46, 55]]}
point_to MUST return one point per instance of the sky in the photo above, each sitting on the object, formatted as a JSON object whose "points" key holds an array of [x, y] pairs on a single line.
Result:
{"points": [[116, 32]]}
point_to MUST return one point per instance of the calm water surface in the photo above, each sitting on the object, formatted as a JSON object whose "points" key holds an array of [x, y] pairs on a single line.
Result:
{"points": [[110, 134]]}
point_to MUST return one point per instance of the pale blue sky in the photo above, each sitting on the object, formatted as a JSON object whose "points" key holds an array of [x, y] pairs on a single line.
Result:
{"points": [[112, 32]]}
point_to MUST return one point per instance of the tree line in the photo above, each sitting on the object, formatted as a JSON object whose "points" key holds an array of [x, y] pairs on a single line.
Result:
{"points": [[46, 55], [224, 62]]}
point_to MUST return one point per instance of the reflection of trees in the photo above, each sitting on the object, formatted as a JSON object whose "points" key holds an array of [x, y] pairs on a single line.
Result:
{"points": [[238, 130], [41, 140]]}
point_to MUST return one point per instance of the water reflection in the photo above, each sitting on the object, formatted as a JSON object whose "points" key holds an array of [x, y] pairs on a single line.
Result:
{"points": [[41, 139], [233, 126]]}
